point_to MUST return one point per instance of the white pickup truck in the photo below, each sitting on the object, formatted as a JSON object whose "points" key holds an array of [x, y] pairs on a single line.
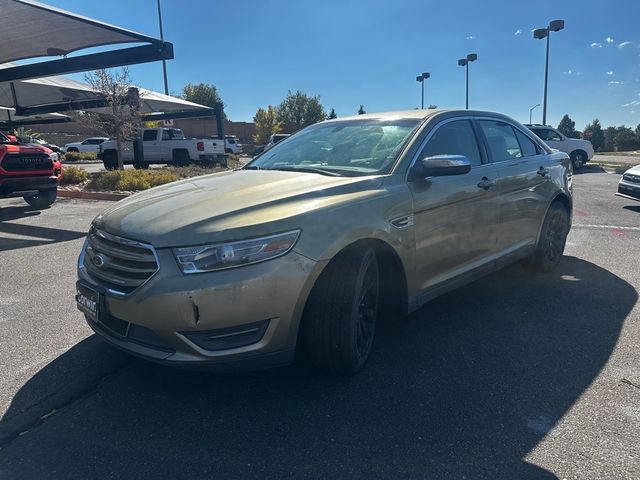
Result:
{"points": [[166, 145]]}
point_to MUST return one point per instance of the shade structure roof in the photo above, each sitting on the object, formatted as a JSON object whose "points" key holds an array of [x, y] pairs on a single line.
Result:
{"points": [[8, 118], [62, 94], [31, 29]]}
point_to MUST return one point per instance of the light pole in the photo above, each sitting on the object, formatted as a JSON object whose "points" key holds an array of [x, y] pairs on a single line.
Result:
{"points": [[164, 63], [464, 62], [540, 33], [531, 111], [421, 79]]}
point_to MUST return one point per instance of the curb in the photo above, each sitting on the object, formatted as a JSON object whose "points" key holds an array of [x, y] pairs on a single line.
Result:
{"points": [[91, 195]]}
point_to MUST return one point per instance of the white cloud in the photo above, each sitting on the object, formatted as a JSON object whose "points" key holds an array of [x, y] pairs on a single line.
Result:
{"points": [[518, 32], [632, 103], [615, 82], [568, 72], [579, 74], [610, 72], [470, 37], [609, 40], [624, 44], [596, 45]]}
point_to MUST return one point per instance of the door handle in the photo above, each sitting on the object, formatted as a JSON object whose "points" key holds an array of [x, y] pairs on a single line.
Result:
{"points": [[543, 172], [485, 183]]}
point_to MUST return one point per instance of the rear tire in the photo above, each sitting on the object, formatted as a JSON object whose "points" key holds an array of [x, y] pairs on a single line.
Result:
{"points": [[553, 238], [43, 199], [181, 158], [341, 312], [578, 159], [110, 160]]}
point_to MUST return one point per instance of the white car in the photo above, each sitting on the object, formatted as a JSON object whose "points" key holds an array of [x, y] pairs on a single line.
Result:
{"points": [[88, 145], [166, 145], [232, 144], [629, 185], [580, 151]]}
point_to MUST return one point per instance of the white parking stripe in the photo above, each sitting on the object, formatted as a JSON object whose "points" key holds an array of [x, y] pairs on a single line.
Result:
{"points": [[605, 227]]}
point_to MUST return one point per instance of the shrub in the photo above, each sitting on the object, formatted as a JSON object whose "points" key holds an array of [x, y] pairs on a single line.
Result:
{"points": [[79, 156], [73, 175], [131, 180]]}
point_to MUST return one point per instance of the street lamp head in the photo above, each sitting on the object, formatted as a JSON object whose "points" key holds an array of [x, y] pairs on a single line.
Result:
{"points": [[419, 78], [426, 75], [540, 33], [462, 62], [472, 57], [556, 25]]}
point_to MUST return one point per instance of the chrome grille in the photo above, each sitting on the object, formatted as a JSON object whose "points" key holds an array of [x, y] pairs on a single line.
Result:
{"points": [[117, 263]]}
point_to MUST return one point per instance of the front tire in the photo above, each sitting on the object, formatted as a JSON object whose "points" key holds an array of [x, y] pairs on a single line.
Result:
{"points": [[43, 199], [342, 310], [553, 238], [110, 160]]}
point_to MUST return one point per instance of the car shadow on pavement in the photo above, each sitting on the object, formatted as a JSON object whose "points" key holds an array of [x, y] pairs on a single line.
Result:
{"points": [[465, 387], [633, 208], [589, 169], [39, 235]]}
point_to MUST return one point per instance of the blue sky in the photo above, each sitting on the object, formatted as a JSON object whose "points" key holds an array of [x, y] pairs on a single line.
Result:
{"points": [[354, 52]]}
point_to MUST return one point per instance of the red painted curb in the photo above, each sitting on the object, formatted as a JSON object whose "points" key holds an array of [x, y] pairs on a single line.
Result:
{"points": [[91, 195]]}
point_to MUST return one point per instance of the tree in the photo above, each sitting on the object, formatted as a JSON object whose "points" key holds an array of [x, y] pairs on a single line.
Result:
{"points": [[204, 94], [361, 110], [120, 118], [597, 135], [332, 115], [568, 127], [625, 139], [432, 107], [300, 109], [266, 123], [609, 135]]}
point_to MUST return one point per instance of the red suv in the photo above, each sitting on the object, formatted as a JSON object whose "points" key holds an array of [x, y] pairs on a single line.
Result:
{"points": [[28, 171]]}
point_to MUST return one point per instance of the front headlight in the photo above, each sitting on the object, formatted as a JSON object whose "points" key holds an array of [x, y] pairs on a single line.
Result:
{"points": [[206, 258]]}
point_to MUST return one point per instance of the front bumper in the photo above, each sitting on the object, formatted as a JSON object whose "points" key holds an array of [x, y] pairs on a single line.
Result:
{"points": [[18, 186], [158, 320], [629, 190]]}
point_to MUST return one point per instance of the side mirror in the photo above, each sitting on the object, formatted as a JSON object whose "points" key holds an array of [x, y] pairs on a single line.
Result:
{"points": [[440, 166]]}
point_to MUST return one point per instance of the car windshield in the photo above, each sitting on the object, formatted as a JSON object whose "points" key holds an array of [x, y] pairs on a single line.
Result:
{"points": [[350, 147]]}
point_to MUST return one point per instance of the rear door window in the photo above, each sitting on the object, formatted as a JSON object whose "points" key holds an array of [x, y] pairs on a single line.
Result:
{"points": [[529, 149], [150, 135], [501, 140]]}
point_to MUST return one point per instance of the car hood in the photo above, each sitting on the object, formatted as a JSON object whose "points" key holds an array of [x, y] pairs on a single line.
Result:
{"points": [[634, 170], [228, 206]]}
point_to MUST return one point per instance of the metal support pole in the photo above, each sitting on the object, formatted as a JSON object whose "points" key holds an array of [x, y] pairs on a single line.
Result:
{"points": [[164, 62], [546, 78], [422, 85], [467, 86]]}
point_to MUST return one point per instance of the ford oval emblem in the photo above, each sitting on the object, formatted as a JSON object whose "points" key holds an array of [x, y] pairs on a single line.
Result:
{"points": [[99, 261]]}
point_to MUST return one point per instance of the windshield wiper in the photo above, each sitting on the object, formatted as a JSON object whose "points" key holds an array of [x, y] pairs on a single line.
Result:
{"points": [[307, 170]]}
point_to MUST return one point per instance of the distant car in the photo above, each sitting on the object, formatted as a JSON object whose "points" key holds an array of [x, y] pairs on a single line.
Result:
{"points": [[232, 144], [580, 151], [629, 185], [275, 138], [89, 145]]}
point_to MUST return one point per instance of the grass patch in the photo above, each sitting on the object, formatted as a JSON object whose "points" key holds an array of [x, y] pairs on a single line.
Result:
{"points": [[79, 156], [131, 180], [73, 175]]}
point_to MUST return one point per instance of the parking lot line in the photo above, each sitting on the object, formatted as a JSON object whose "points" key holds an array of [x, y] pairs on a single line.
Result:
{"points": [[605, 227]]}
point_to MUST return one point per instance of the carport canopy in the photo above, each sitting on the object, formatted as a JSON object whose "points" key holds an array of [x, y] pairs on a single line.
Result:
{"points": [[9, 119], [32, 30]]}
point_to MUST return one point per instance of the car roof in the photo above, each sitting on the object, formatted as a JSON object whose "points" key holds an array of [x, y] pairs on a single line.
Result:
{"points": [[423, 114]]}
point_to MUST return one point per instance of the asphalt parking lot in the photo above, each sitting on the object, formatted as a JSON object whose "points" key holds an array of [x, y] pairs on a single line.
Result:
{"points": [[516, 376]]}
